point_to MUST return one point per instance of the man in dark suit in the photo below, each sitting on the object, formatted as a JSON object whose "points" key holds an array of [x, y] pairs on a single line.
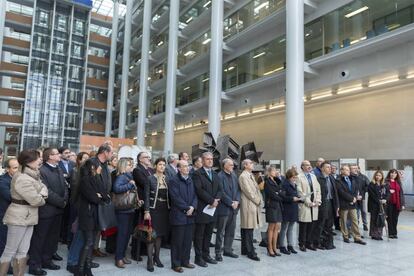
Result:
{"points": [[348, 196], [227, 210], [328, 210], [363, 183], [209, 193], [69, 214], [45, 237], [183, 203], [11, 167], [171, 169], [140, 174]]}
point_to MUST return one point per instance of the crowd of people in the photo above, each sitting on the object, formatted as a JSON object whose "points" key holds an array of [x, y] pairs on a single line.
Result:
{"points": [[52, 195]]}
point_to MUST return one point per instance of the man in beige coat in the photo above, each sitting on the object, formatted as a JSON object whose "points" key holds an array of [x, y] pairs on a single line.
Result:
{"points": [[250, 209], [309, 191]]}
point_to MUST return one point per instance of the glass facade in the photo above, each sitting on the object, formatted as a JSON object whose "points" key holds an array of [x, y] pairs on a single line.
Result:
{"points": [[341, 28], [54, 95]]}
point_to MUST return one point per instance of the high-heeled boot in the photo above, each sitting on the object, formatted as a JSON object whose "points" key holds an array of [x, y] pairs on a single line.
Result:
{"points": [[4, 267], [19, 266], [150, 260], [157, 260]]}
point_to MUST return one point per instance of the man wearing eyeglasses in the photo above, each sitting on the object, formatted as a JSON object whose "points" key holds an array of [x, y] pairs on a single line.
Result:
{"points": [[46, 233], [140, 174]]}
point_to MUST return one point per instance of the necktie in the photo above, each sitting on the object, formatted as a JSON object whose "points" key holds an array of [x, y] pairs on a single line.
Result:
{"points": [[328, 184], [348, 182], [210, 175], [308, 176]]}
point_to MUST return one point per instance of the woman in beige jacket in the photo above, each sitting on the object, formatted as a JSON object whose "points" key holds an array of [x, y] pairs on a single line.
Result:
{"points": [[28, 194], [250, 209]]}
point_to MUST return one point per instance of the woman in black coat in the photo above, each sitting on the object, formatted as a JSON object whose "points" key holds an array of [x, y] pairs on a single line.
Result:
{"points": [[91, 194], [378, 194], [273, 206], [157, 210], [290, 212]]}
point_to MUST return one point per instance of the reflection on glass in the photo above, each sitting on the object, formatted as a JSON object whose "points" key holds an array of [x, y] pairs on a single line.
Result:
{"points": [[197, 47], [193, 90], [193, 12], [358, 21], [251, 13]]}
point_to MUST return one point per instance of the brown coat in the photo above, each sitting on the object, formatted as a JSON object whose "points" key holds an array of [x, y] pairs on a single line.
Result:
{"points": [[26, 186], [305, 213], [250, 202]]}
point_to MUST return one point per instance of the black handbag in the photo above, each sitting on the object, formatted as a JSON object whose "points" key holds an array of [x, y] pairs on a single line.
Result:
{"points": [[380, 222], [106, 216]]}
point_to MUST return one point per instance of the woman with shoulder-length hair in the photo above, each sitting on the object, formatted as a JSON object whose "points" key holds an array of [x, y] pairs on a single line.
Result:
{"points": [[273, 205], [91, 194], [290, 212], [28, 194], [157, 209], [378, 194], [396, 202], [124, 182]]}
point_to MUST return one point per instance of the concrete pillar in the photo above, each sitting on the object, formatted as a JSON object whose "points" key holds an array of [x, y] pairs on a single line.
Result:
{"points": [[143, 78], [111, 77], [170, 94], [216, 68], [2, 28], [125, 70], [294, 82]]}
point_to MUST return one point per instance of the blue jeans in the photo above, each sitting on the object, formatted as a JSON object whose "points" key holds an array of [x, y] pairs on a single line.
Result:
{"points": [[123, 234], [75, 248]]}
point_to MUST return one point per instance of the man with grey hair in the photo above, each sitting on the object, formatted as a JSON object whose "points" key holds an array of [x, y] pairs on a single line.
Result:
{"points": [[250, 209], [209, 193], [317, 171], [171, 169], [227, 210]]}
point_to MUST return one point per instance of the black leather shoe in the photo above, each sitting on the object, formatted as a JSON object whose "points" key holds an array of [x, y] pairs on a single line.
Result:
{"points": [[330, 247], [37, 271], [178, 269], [302, 248], [71, 268], [219, 258], [360, 242], [346, 240], [190, 266], [311, 247], [321, 247], [253, 257], [201, 263], [56, 257], [293, 251], [51, 266], [284, 250], [210, 260], [230, 254]]}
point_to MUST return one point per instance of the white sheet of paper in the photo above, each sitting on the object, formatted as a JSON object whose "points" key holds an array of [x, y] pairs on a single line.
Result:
{"points": [[209, 211]]}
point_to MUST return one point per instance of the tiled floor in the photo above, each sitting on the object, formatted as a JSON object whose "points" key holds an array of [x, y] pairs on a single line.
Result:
{"points": [[394, 257]]}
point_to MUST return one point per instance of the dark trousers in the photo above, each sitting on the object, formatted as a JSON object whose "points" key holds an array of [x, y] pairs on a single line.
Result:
{"points": [[3, 235], [124, 221], [322, 231], [202, 238], [247, 242], [305, 233], [85, 257], [44, 241], [392, 219], [181, 237], [226, 227]]}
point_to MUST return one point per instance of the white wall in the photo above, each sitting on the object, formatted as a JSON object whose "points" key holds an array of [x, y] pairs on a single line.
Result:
{"points": [[377, 125]]}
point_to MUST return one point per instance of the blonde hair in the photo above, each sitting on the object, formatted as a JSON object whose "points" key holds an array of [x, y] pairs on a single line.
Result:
{"points": [[122, 165], [382, 175]]}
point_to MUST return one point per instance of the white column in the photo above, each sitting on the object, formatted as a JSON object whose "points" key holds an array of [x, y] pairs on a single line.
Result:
{"points": [[294, 83], [111, 77], [125, 70], [2, 28], [216, 68], [170, 93], [143, 78]]}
